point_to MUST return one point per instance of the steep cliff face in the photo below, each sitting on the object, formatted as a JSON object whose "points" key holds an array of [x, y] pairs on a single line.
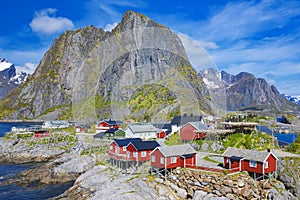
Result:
{"points": [[93, 73], [245, 92]]}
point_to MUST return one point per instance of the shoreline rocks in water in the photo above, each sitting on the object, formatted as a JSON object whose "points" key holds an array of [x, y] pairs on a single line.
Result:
{"points": [[93, 181]]}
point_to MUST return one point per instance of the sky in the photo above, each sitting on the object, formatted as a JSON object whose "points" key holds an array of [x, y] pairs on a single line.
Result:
{"points": [[259, 37]]}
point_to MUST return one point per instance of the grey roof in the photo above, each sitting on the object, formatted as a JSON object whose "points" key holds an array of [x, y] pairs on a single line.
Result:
{"points": [[181, 120], [199, 125], [247, 154], [177, 150], [141, 128]]}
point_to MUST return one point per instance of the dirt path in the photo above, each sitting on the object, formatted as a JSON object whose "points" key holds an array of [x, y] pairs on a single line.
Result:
{"points": [[281, 154]]}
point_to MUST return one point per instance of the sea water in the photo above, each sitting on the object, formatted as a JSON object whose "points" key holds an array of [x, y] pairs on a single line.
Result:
{"points": [[7, 171]]}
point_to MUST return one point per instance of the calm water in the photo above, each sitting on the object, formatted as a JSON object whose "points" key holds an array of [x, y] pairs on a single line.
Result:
{"points": [[13, 192]]}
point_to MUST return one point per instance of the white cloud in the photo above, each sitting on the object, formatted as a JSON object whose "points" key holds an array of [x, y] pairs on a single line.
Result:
{"points": [[243, 19], [27, 67], [110, 27], [45, 22], [198, 56]]}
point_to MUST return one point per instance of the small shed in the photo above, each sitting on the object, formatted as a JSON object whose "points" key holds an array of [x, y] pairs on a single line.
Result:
{"points": [[41, 133]]}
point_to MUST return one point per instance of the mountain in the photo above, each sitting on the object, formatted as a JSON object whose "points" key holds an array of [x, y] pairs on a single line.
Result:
{"points": [[9, 80], [295, 100], [139, 70], [245, 92]]}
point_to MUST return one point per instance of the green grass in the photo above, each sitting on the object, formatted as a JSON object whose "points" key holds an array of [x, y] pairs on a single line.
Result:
{"points": [[173, 140], [256, 140]]}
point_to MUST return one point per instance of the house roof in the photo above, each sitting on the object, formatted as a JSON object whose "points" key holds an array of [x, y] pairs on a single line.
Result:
{"points": [[125, 142], [181, 120], [112, 130], [111, 122], [165, 127], [177, 150], [140, 128], [199, 125], [260, 156], [99, 135], [144, 145]]}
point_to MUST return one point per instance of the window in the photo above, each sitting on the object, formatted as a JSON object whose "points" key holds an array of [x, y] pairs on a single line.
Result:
{"points": [[152, 158], [266, 165], [124, 148], [128, 154], [143, 154], [252, 163], [134, 154], [111, 147], [162, 160], [173, 159]]}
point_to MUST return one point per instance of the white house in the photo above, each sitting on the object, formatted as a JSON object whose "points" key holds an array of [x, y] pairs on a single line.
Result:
{"points": [[144, 131]]}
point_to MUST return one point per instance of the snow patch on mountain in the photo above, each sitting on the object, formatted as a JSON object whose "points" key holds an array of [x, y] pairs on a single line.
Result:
{"points": [[19, 78], [4, 64], [292, 99]]}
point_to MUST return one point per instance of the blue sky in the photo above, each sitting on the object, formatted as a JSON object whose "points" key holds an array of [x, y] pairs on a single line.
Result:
{"points": [[260, 37]]}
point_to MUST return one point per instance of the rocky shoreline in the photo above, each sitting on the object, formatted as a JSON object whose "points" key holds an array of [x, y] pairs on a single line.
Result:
{"points": [[93, 179]]}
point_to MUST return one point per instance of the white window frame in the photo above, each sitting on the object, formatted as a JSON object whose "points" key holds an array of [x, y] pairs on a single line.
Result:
{"points": [[173, 160], [162, 160], [111, 147], [128, 154], [253, 163], [143, 154], [153, 158], [266, 165], [134, 154], [124, 148]]}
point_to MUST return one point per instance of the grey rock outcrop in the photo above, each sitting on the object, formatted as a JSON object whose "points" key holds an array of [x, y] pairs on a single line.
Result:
{"points": [[287, 173], [102, 183], [11, 151]]}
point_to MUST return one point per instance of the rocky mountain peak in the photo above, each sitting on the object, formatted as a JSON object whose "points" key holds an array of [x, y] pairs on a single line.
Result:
{"points": [[246, 92], [133, 20], [87, 69]]}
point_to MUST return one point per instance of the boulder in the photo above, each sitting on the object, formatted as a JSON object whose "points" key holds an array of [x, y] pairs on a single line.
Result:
{"points": [[199, 195]]}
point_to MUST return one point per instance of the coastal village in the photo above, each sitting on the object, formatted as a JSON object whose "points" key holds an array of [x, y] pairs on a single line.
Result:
{"points": [[193, 143], [135, 110]]}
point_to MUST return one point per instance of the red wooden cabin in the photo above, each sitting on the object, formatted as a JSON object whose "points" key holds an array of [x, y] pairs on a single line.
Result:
{"points": [[117, 148], [106, 125], [190, 131], [139, 151], [170, 157], [257, 162]]}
